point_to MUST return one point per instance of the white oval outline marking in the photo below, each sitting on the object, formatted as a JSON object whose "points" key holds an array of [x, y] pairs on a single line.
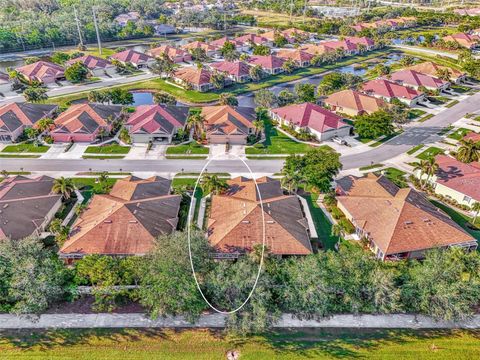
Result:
{"points": [[190, 248]]}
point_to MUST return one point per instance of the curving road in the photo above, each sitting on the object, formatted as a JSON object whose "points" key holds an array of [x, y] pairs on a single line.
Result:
{"points": [[419, 133]]}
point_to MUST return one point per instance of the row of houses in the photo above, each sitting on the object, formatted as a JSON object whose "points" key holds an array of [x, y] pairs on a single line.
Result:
{"points": [[467, 40], [399, 23]]}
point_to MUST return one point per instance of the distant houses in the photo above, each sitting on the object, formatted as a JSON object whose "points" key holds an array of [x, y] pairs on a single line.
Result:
{"points": [[433, 69], [237, 71], [463, 39], [42, 71], [300, 57], [418, 80], [197, 79], [270, 64], [96, 66], [397, 223], [137, 59], [389, 90], [175, 54]]}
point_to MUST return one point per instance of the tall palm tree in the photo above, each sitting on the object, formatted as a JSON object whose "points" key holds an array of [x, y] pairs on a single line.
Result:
{"points": [[431, 168], [291, 181], [422, 168], [259, 125], [63, 186], [228, 99], [212, 184], [44, 124], [468, 151], [475, 207], [195, 122]]}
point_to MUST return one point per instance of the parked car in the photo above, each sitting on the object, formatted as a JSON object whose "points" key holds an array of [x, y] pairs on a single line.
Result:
{"points": [[339, 141]]}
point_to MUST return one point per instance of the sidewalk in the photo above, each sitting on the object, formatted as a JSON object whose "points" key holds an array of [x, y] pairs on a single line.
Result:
{"points": [[136, 320]]}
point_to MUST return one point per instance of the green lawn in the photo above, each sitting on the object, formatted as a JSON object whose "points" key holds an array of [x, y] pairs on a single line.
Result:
{"points": [[459, 133], [370, 167], [25, 148], [108, 149], [103, 157], [430, 152], [152, 344], [19, 156], [386, 138], [452, 103], [277, 142], [414, 149], [396, 176], [186, 149], [415, 113], [322, 224], [426, 117]]}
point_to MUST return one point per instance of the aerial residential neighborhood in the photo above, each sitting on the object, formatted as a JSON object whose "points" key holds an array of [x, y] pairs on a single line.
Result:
{"points": [[216, 179]]}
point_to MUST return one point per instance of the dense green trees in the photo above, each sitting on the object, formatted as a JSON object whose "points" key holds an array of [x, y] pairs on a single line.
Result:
{"points": [[76, 73], [372, 126]]}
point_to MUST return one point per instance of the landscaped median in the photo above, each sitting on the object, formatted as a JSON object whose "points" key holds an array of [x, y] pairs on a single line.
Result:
{"points": [[192, 150]]}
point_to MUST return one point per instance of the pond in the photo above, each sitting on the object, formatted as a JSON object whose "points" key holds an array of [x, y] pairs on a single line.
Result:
{"points": [[142, 98]]}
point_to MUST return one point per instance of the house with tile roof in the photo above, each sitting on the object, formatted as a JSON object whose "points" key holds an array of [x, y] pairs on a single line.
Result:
{"points": [[237, 71], [42, 71], [317, 49], [348, 47], [235, 222], [239, 46], [313, 118], [397, 223], [270, 64], [136, 58], [27, 206], [197, 79], [16, 117], [175, 54], [126, 221], [97, 66], [416, 80], [353, 103], [464, 39], [301, 58], [5, 84], [156, 123], [433, 69], [249, 39], [473, 136], [210, 50], [85, 122], [389, 90], [368, 43], [227, 124]]}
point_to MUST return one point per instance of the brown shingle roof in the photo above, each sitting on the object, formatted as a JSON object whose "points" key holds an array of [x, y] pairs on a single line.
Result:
{"points": [[355, 100], [228, 119]]}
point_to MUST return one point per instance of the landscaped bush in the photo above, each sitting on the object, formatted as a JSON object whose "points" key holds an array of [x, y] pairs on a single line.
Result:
{"points": [[346, 225], [336, 212]]}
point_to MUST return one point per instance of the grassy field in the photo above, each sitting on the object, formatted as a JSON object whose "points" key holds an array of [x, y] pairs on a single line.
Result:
{"points": [[25, 148], [108, 149], [275, 20], [459, 133], [430, 152], [190, 148], [209, 345]]}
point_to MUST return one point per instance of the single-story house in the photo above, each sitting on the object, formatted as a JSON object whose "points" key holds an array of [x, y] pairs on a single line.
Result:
{"points": [[239, 46], [123, 19], [156, 123], [27, 206], [137, 59], [317, 49], [318, 121], [301, 57], [198, 79], [125, 222], [175, 54], [348, 47], [96, 65], [5, 84], [16, 117], [85, 122], [397, 223], [433, 69], [353, 103], [464, 39], [270, 64], [235, 222], [417, 80], [368, 43], [389, 90], [249, 39], [238, 71], [210, 50], [43, 72], [227, 124], [473, 136]]}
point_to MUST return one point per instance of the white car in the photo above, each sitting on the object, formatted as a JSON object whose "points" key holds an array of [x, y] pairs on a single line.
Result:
{"points": [[339, 141]]}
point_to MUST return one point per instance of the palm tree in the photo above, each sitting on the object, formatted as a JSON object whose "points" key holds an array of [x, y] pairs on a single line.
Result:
{"points": [[63, 186], [212, 184], [44, 124], [431, 168], [475, 207], [195, 122], [288, 66], [256, 72], [468, 151], [422, 168], [444, 74], [228, 99], [259, 125], [337, 230], [291, 182]]}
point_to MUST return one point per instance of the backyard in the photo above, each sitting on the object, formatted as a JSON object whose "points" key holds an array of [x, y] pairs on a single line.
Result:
{"points": [[201, 344]]}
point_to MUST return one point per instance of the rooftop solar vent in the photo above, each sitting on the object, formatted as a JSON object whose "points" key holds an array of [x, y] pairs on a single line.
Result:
{"points": [[107, 221]]}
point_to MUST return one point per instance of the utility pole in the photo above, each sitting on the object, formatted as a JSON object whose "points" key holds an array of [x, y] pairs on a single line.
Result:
{"points": [[304, 10], [96, 30], [78, 26]]}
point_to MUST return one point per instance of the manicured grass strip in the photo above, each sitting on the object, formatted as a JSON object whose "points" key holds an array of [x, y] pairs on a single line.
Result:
{"points": [[19, 156], [396, 176], [459, 133], [26, 147], [415, 149], [459, 218], [426, 117], [451, 104], [266, 157], [322, 224], [370, 167], [108, 149], [103, 157], [190, 148], [430, 152], [415, 113], [186, 157]]}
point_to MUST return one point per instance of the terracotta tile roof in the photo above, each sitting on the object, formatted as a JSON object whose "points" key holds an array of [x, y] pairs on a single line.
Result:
{"points": [[41, 69], [171, 51], [220, 42], [15, 115], [397, 220], [464, 178], [296, 55], [360, 40], [308, 115], [235, 221], [463, 39], [317, 49], [235, 68], [252, 38], [340, 44], [199, 44], [355, 100], [415, 78], [390, 89], [475, 137], [221, 120], [91, 62], [127, 221], [266, 61], [193, 75], [131, 56], [25, 204], [157, 119], [86, 118], [430, 68]]}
